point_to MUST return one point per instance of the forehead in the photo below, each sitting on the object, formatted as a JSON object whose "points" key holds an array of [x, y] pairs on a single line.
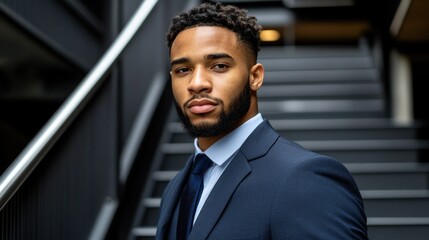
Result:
{"points": [[203, 40]]}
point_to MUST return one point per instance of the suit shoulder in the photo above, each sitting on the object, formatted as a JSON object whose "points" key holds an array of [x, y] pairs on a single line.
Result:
{"points": [[321, 192], [301, 159], [294, 153]]}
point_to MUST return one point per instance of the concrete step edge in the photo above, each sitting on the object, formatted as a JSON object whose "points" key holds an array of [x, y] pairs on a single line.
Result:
{"points": [[388, 167], [144, 231], [395, 194], [397, 221]]}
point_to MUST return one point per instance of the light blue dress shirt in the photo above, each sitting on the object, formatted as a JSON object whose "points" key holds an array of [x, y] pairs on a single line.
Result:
{"points": [[221, 153]]}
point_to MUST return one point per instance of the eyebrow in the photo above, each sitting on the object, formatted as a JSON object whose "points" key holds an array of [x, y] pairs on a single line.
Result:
{"points": [[218, 55], [210, 56], [179, 61]]}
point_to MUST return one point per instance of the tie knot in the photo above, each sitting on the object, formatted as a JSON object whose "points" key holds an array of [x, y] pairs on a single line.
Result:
{"points": [[201, 164]]}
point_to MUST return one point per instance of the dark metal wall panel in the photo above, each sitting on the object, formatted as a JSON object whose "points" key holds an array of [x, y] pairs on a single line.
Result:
{"points": [[57, 25], [63, 196]]}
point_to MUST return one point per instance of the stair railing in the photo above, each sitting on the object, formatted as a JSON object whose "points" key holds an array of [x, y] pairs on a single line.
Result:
{"points": [[16, 174]]}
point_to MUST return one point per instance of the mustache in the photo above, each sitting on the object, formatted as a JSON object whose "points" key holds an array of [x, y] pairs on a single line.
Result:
{"points": [[203, 95]]}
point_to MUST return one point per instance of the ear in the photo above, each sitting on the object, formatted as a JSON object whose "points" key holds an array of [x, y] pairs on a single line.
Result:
{"points": [[256, 77]]}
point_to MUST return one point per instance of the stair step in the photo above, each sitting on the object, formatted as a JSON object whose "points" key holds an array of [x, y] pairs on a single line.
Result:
{"points": [[150, 216], [390, 176], [352, 134], [395, 194], [311, 51], [398, 228], [343, 124], [381, 168], [370, 151], [151, 206], [366, 145], [161, 179], [346, 151], [331, 91], [324, 114], [374, 156], [397, 221], [320, 76], [143, 232], [315, 63], [324, 129], [152, 202], [321, 106], [396, 203]]}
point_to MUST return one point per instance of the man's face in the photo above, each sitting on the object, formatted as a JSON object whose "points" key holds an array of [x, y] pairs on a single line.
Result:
{"points": [[210, 80]]}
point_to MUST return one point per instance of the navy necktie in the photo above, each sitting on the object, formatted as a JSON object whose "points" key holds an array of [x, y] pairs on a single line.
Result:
{"points": [[191, 196]]}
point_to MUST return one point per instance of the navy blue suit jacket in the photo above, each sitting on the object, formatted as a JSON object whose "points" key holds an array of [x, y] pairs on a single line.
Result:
{"points": [[273, 189]]}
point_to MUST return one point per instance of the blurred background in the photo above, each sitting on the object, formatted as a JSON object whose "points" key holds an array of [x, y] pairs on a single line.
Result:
{"points": [[89, 138]]}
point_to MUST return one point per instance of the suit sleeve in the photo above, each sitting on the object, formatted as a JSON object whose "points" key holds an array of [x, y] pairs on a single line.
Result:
{"points": [[318, 199]]}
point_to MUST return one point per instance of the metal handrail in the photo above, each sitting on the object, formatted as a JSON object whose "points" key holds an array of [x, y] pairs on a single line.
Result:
{"points": [[30, 157]]}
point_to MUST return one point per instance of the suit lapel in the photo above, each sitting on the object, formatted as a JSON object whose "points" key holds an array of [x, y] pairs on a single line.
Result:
{"points": [[260, 141], [219, 197], [171, 200], [255, 146]]}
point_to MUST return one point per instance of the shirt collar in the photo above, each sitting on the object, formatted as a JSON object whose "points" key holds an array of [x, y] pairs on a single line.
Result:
{"points": [[223, 149]]}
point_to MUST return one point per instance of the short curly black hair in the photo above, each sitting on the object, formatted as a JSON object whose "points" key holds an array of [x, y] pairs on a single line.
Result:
{"points": [[227, 16]]}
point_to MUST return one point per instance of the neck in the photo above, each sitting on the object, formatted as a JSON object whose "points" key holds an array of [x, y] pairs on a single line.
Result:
{"points": [[205, 142]]}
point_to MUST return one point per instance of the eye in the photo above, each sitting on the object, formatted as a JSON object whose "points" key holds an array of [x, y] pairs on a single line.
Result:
{"points": [[181, 70], [220, 67]]}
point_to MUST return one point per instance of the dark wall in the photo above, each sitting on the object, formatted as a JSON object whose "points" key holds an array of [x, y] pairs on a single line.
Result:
{"points": [[46, 48], [64, 195], [49, 46], [420, 78], [59, 24]]}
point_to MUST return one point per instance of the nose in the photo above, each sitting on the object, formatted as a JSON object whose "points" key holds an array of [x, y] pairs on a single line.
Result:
{"points": [[200, 81]]}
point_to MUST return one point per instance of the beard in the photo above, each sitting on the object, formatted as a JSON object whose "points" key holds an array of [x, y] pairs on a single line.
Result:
{"points": [[227, 120]]}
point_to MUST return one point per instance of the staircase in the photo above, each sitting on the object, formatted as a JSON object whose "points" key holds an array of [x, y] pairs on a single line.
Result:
{"points": [[330, 100]]}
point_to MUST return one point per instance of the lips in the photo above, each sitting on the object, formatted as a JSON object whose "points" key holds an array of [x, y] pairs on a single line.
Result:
{"points": [[201, 106]]}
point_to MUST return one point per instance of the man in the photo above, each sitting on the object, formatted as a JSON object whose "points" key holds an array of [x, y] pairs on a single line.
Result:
{"points": [[258, 185]]}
